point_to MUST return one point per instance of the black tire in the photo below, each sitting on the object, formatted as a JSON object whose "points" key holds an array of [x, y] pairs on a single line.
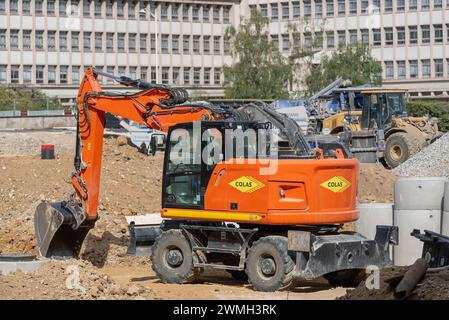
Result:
{"points": [[173, 241], [271, 249], [399, 148], [345, 278]]}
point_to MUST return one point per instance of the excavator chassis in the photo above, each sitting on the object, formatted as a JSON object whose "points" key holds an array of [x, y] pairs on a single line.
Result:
{"points": [[315, 250]]}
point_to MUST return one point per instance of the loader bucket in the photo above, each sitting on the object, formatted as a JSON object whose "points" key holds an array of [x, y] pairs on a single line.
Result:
{"points": [[54, 233]]}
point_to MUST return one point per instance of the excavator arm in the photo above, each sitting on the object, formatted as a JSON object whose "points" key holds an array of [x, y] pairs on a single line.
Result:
{"points": [[61, 227]]}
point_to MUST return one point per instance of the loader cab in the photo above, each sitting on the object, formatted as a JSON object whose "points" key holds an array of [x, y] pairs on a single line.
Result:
{"points": [[192, 152], [380, 106]]}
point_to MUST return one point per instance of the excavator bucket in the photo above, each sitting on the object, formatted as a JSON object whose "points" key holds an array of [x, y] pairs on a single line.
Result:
{"points": [[54, 233]]}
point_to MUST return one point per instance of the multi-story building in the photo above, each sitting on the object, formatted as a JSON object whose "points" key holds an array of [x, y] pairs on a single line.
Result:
{"points": [[48, 43]]}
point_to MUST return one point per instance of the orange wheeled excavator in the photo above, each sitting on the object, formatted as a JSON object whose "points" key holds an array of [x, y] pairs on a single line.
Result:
{"points": [[232, 198]]}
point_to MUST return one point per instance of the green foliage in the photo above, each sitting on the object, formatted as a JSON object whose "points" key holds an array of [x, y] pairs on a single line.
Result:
{"points": [[433, 108], [261, 71], [350, 62], [20, 98]]}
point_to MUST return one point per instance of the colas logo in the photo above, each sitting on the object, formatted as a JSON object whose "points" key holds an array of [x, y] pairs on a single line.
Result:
{"points": [[336, 184], [246, 184]]}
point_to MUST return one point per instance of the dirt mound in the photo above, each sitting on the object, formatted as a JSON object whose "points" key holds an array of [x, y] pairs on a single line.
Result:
{"points": [[434, 286], [376, 184]]}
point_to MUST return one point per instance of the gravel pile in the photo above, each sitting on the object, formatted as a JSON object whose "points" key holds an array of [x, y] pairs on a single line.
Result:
{"points": [[432, 161]]}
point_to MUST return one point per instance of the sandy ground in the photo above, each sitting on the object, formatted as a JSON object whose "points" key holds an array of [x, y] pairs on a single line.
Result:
{"points": [[131, 185]]}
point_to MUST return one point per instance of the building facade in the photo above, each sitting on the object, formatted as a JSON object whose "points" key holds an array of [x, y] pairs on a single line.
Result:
{"points": [[47, 44]]}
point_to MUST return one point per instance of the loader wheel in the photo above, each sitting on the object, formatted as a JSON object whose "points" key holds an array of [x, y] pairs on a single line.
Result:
{"points": [[399, 148], [345, 278], [269, 266], [172, 258]]}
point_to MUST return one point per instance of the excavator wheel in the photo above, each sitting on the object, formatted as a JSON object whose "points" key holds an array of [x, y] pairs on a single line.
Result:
{"points": [[345, 278], [399, 147], [269, 266], [172, 258]]}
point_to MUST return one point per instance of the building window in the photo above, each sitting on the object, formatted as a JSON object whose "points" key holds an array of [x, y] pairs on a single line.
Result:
{"points": [[75, 74], [329, 8], [26, 6], [27, 74], [388, 36], [226, 46], [353, 37], [438, 4], [330, 39], [63, 40], [50, 7], [186, 43], [196, 75], [413, 65], [14, 6], [353, 6], [153, 74], [274, 12], [153, 43], [365, 36], [132, 42], [206, 13], [175, 43], [413, 5], [15, 73], [86, 8], [75, 40], [175, 12], [217, 75], [132, 9], [401, 69], [14, 39], [388, 6], [175, 75], [206, 76], [2, 10], [377, 37], [263, 11], [413, 33], [341, 37], [285, 42], [389, 70], [38, 7], [196, 44], [164, 11], [39, 39], [120, 9], [109, 42], [318, 8], [143, 73], [439, 69], [425, 34], [206, 44], [196, 13], [426, 71], [3, 74], [164, 43], [217, 45], [165, 75], [364, 6], [438, 33], [86, 41], [341, 7], [425, 5], [143, 42], [186, 75], [98, 41], [376, 5], [62, 7], [40, 70], [110, 70], [3, 39], [400, 5], [275, 41], [122, 71], [216, 14], [226, 12], [185, 12], [109, 8], [26, 41], [51, 74], [121, 42], [307, 9], [296, 9], [285, 11], [63, 70], [97, 8], [401, 35], [51, 40]]}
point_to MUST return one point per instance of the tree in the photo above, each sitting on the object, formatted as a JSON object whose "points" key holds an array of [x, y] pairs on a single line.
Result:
{"points": [[353, 63], [260, 70], [21, 98]]}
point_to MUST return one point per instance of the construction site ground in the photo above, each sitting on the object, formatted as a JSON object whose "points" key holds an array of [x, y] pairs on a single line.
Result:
{"points": [[131, 184]]}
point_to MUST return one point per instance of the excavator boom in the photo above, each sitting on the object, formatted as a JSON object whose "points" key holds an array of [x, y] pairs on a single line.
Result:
{"points": [[61, 227]]}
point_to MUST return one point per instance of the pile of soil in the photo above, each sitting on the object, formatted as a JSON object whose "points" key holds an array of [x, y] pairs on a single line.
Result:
{"points": [[376, 183], [434, 286]]}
